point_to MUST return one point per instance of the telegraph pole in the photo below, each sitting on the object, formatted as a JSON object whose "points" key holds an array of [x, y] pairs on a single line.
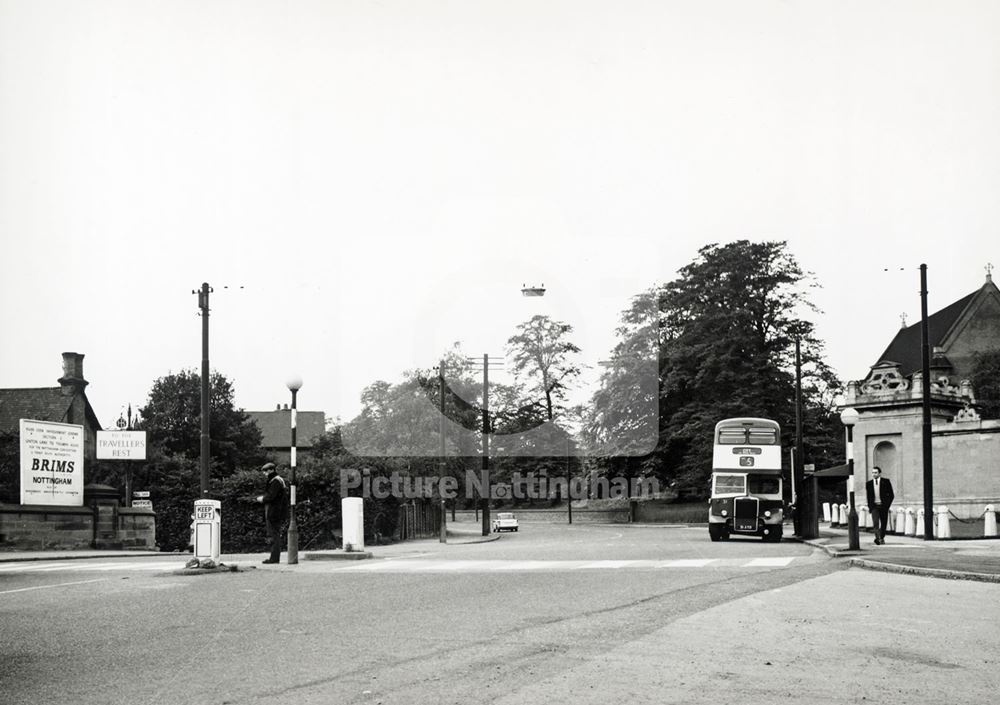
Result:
{"points": [[205, 387], [444, 527], [925, 351]]}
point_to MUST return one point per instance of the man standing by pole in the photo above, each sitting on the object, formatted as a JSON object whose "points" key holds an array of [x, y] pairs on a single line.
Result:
{"points": [[274, 503]]}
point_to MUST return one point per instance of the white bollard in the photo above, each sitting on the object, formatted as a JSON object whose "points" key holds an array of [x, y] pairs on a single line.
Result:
{"points": [[910, 524], [889, 524], [352, 511], [990, 521], [866, 518], [900, 521], [843, 516], [834, 514], [942, 527], [920, 524], [826, 512]]}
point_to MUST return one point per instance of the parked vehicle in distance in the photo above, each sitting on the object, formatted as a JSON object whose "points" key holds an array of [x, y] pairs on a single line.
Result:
{"points": [[505, 521]]}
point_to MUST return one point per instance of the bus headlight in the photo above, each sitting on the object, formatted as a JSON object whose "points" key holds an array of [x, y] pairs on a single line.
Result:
{"points": [[767, 514], [725, 513]]}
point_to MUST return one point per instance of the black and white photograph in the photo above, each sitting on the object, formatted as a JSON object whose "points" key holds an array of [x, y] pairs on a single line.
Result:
{"points": [[385, 352]]}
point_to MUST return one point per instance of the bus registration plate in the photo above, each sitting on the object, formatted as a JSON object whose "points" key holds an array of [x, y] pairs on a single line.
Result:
{"points": [[745, 524]]}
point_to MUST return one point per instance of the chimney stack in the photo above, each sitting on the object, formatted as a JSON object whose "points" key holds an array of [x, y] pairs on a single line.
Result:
{"points": [[72, 380]]}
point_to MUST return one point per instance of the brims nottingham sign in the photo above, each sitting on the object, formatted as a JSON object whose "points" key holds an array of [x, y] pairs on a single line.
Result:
{"points": [[51, 463]]}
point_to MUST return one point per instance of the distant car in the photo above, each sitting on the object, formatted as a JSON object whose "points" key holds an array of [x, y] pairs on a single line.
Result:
{"points": [[505, 521]]}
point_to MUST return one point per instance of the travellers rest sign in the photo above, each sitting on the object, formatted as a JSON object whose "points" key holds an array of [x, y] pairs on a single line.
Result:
{"points": [[121, 445]]}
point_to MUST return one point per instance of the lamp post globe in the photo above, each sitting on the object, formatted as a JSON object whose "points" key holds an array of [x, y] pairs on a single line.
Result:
{"points": [[849, 417]]}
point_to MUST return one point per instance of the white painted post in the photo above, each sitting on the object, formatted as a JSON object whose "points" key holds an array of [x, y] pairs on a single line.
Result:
{"points": [[921, 533], [826, 512], [900, 521], [353, 517], [910, 524], [990, 521], [843, 515], [943, 525], [834, 514]]}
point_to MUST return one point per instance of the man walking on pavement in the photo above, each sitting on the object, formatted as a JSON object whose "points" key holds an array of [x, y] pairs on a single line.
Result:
{"points": [[880, 496], [275, 505]]}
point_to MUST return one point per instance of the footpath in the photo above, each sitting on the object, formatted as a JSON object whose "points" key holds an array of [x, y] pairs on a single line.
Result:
{"points": [[961, 559]]}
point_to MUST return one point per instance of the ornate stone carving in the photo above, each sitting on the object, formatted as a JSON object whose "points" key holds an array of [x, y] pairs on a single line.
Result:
{"points": [[884, 378]]}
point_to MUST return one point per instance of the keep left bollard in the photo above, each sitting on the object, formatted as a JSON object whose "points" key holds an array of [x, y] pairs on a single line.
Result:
{"points": [[990, 521]]}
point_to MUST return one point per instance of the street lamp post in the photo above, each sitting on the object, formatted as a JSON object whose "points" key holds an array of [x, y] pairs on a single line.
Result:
{"points": [[294, 385], [849, 417]]}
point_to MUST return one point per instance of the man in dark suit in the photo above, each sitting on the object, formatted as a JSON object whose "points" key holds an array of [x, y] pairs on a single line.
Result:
{"points": [[880, 497]]}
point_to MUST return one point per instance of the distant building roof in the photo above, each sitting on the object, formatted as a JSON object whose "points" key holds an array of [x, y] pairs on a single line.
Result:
{"points": [[275, 427], [40, 404], [905, 348]]}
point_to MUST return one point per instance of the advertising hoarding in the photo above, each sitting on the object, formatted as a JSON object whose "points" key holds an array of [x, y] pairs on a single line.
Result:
{"points": [[51, 463]]}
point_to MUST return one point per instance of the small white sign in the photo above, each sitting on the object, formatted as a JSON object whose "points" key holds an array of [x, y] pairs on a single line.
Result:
{"points": [[121, 445], [51, 463], [141, 494], [142, 503]]}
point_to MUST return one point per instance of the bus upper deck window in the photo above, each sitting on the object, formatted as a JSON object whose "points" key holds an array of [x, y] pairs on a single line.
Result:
{"points": [[763, 437], [732, 436]]}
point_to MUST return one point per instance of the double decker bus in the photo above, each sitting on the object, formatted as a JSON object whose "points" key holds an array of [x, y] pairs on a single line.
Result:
{"points": [[746, 480]]}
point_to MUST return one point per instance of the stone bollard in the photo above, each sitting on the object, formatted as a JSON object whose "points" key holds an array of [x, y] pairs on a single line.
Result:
{"points": [[942, 527], [920, 524], [900, 521], [910, 524], [843, 516], [990, 521], [826, 513], [834, 514]]}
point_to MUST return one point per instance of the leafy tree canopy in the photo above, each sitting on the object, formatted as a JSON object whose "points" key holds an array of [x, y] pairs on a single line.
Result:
{"points": [[172, 418], [725, 333]]}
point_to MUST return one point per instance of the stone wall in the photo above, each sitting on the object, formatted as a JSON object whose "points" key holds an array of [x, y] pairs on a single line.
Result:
{"points": [[966, 459], [99, 524]]}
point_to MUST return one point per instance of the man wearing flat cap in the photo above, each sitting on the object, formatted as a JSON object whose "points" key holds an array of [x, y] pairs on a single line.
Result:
{"points": [[275, 504]]}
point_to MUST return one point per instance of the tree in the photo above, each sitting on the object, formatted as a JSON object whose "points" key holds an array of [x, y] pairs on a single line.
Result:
{"points": [[725, 333], [543, 356], [172, 418], [985, 380]]}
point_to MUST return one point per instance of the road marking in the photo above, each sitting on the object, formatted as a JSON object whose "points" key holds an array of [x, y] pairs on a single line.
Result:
{"points": [[46, 587], [687, 563], [768, 563], [607, 564], [497, 565]]}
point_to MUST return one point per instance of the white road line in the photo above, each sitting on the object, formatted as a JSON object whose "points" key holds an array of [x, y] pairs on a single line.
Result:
{"points": [[46, 587], [687, 562], [610, 564], [768, 562]]}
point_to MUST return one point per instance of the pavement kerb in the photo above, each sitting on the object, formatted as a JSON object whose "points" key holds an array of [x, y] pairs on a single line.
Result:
{"points": [[86, 556], [928, 572], [856, 562]]}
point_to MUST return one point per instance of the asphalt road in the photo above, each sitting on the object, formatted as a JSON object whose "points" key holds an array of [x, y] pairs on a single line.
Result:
{"points": [[549, 614]]}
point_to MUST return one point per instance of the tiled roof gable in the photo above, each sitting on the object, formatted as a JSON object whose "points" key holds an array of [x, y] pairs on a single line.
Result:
{"points": [[41, 404]]}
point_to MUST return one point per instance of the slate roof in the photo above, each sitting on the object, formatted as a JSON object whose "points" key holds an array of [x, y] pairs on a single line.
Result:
{"points": [[905, 348], [41, 404], [275, 427]]}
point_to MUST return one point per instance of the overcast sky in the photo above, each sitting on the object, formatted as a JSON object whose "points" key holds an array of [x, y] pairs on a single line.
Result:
{"points": [[381, 177]]}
